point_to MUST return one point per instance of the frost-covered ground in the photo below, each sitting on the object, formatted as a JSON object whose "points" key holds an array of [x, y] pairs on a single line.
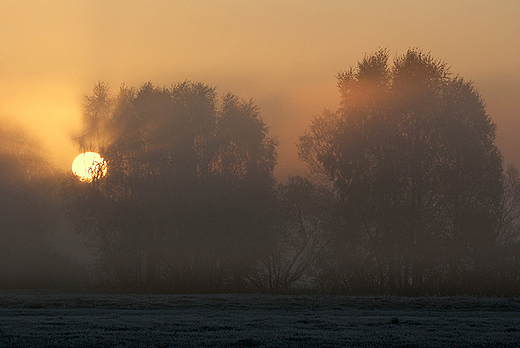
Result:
{"points": [[37, 319]]}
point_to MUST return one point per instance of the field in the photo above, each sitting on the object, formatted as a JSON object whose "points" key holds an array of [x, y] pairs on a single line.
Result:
{"points": [[43, 319]]}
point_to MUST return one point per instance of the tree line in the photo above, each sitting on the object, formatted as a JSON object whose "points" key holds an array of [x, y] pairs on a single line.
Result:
{"points": [[408, 192]]}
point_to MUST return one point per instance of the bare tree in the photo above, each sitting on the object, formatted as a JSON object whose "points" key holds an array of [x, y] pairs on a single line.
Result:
{"points": [[299, 236], [510, 206]]}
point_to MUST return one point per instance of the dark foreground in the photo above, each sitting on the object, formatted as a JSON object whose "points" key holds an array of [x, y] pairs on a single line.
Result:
{"points": [[32, 319]]}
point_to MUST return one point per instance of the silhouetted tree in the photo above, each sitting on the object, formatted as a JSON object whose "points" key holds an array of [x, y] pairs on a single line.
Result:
{"points": [[185, 200], [503, 260], [29, 214], [300, 234], [412, 155], [510, 206]]}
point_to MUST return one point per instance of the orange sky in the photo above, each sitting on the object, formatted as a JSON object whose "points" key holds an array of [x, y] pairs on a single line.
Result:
{"points": [[283, 54]]}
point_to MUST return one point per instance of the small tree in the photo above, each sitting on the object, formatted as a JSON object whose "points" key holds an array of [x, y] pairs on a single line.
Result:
{"points": [[299, 236], [510, 207]]}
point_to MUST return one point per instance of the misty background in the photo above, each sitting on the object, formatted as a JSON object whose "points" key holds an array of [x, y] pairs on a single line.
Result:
{"points": [[260, 229], [408, 193], [283, 55]]}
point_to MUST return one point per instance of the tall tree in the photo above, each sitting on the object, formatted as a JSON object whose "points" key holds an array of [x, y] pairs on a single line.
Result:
{"points": [[182, 205], [29, 214], [412, 154]]}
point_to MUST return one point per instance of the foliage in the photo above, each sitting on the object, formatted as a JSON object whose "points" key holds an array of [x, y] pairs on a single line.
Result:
{"points": [[412, 155], [29, 214], [187, 195], [414, 198]]}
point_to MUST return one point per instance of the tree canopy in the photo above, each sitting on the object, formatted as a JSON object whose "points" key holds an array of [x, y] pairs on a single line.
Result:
{"points": [[186, 197], [29, 213], [413, 197], [413, 158]]}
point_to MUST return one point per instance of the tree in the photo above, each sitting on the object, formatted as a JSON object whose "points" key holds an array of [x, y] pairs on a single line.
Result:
{"points": [[510, 206], [185, 200], [29, 214], [413, 157], [300, 234], [503, 261]]}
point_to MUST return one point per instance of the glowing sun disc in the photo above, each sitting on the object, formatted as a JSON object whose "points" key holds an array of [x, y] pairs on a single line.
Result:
{"points": [[89, 165]]}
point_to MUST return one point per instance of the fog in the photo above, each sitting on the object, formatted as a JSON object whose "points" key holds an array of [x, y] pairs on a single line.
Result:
{"points": [[199, 109], [283, 55]]}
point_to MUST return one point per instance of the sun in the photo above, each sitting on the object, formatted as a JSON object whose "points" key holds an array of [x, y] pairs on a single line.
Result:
{"points": [[88, 166]]}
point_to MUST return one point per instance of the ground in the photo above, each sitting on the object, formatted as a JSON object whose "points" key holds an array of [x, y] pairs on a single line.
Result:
{"points": [[43, 319]]}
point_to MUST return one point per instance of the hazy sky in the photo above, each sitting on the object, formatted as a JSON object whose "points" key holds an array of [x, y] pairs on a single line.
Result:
{"points": [[283, 54]]}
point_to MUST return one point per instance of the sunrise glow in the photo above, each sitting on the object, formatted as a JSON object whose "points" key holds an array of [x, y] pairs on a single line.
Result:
{"points": [[88, 166]]}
